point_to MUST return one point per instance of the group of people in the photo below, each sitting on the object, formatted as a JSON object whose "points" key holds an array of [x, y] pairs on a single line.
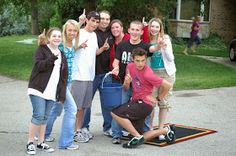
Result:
{"points": [[69, 67]]}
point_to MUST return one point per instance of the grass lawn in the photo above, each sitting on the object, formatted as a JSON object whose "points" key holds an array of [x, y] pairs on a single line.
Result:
{"points": [[16, 58], [192, 72]]}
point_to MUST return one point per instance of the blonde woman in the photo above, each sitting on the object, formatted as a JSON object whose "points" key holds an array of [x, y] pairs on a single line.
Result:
{"points": [[163, 65]]}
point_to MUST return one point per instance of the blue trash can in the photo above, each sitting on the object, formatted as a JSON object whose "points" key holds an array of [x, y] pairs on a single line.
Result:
{"points": [[111, 94]]}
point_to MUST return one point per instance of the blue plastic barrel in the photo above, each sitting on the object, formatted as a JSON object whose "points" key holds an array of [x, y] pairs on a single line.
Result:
{"points": [[111, 94]]}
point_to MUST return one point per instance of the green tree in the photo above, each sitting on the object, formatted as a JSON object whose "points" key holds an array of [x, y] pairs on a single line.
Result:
{"points": [[131, 10], [30, 8]]}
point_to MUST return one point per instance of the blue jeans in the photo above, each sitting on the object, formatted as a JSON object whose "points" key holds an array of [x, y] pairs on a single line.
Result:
{"points": [[195, 39], [41, 109], [97, 82], [68, 122], [116, 128]]}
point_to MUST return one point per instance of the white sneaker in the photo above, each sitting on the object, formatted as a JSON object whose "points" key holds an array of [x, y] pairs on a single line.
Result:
{"points": [[30, 148], [161, 137], [49, 139], [72, 147], [45, 147], [79, 137], [108, 133], [87, 133], [125, 133]]}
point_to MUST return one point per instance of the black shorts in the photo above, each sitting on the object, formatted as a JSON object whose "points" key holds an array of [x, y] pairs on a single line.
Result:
{"points": [[136, 112]]}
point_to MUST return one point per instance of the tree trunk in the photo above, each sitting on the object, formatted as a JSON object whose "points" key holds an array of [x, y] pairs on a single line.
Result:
{"points": [[34, 17]]}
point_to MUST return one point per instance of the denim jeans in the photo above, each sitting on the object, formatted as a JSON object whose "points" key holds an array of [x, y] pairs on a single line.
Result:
{"points": [[116, 128], [97, 82], [41, 109], [195, 40], [68, 122]]}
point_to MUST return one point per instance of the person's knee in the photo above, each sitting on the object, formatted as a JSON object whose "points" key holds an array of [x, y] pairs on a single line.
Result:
{"points": [[39, 119]]}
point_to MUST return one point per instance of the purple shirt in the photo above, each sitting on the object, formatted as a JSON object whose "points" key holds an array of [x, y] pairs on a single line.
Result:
{"points": [[195, 31]]}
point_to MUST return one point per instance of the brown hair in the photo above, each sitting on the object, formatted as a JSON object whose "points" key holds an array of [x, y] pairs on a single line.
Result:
{"points": [[49, 32], [116, 21], [106, 12], [139, 52]]}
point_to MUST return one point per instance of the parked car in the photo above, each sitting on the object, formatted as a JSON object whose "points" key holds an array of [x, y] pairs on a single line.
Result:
{"points": [[232, 49]]}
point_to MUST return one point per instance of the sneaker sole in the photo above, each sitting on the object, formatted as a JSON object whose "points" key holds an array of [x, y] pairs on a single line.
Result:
{"points": [[31, 153], [81, 141], [48, 151], [125, 145], [71, 149], [172, 127]]}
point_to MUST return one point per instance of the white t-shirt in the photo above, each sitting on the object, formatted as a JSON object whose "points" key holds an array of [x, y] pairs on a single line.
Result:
{"points": [[84, 60]]}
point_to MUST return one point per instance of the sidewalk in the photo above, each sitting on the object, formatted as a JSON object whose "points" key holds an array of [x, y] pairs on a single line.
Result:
{"points": [[211, 108]]}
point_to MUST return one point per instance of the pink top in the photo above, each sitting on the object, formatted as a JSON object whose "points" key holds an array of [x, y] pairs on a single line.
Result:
{"points": [[143, 82]]}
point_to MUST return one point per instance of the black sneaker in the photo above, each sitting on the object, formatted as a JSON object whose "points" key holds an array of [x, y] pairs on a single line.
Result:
{"points": [[134, 142], [45, 147], [116, 140], [170, 135], [30, 148]]}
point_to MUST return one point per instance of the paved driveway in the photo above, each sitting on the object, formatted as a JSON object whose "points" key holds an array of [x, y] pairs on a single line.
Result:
{"points": [[222, 60], [211, 108]]}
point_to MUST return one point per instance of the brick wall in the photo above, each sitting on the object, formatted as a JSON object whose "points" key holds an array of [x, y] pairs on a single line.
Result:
{"points": [[222, 21], [223, 18]]}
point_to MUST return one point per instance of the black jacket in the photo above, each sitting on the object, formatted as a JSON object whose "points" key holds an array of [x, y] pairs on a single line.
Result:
{"points": [[41, 72]]}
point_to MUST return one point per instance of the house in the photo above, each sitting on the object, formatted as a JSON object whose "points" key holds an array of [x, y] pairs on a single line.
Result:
{"points": [[218, 16]]}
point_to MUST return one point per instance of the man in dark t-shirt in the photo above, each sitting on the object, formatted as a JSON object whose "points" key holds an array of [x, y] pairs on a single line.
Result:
{"points": [[123, 56]]}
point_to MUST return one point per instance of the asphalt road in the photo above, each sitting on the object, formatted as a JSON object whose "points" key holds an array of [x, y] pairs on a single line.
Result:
{"points": [[211, 108]]}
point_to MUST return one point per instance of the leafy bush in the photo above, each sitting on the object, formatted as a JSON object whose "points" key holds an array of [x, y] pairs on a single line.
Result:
{"points": [[215, 40], [177, 40], [11, 22]]}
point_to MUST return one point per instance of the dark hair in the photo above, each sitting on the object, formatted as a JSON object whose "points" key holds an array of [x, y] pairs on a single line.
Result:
{"points": [[139, 52], [94, 14]]}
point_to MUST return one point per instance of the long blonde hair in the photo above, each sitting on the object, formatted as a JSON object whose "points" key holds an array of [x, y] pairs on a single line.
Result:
{"points": [[77, 27], [161, 28]]}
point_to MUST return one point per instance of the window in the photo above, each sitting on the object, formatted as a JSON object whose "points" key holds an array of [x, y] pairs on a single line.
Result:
{"points": [[186, 9], [189, 9]]}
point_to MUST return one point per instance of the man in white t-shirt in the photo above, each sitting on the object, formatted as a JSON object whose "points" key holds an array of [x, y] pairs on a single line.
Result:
{"points": [[84, 71]]}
